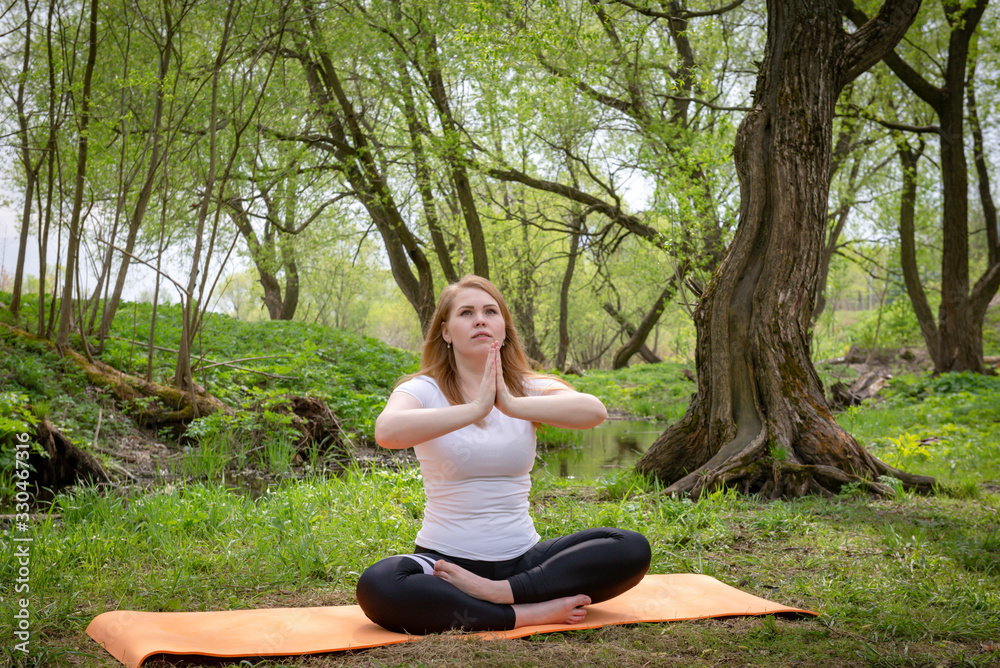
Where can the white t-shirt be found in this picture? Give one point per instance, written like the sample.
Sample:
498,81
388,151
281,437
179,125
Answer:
477,481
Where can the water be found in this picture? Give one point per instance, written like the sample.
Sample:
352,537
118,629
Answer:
615,444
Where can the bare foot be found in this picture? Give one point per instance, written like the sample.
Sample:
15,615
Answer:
566,610
494,591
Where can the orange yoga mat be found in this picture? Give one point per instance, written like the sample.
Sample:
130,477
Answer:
132,636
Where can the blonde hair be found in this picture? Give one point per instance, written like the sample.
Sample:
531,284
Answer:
437,360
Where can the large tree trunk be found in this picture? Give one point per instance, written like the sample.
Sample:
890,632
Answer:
759,421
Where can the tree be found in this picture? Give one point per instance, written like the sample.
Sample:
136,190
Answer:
75,225
955,340
759,421
161,27
30,169
636,66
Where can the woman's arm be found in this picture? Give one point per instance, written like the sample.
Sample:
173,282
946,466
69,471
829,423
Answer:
560,406
563,407
404,423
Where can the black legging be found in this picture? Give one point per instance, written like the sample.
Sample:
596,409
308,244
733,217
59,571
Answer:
400,594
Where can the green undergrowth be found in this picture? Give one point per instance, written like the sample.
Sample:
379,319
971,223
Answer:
247,365
912,581
946,426
655,391
266,361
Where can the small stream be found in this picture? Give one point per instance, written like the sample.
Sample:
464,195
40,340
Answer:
615,444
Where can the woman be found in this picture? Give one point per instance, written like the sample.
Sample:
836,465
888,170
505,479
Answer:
470,415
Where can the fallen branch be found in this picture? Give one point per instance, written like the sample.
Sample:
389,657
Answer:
865,386
241,359
128,388
214,364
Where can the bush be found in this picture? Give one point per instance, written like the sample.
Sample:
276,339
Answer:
15,419
899,327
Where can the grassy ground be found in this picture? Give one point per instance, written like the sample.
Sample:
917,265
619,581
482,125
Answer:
911,581
908,582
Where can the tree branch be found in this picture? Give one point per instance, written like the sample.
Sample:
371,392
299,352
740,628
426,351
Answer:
926,91
877,37
628,221
704,103
683,14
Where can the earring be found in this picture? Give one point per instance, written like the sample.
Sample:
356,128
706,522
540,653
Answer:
449,345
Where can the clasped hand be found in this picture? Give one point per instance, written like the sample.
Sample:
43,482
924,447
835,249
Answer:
493,390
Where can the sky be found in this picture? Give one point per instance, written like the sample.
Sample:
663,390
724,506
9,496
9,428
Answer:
9,232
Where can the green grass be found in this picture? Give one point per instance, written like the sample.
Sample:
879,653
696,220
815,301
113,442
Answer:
353,374
655,391
914,581
947,427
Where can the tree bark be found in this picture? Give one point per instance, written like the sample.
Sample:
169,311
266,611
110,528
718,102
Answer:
65,463
909,159
759,421
579,225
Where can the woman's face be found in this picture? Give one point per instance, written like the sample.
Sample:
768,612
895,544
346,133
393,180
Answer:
474,322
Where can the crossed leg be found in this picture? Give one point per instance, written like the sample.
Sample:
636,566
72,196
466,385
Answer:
428,593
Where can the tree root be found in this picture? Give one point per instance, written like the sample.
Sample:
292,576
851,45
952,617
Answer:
65,465
772,479
317,424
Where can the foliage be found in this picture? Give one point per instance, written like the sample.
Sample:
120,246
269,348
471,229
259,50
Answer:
657,391
268,360
946,426
47,386
913,389
254,436
16,419
898,327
